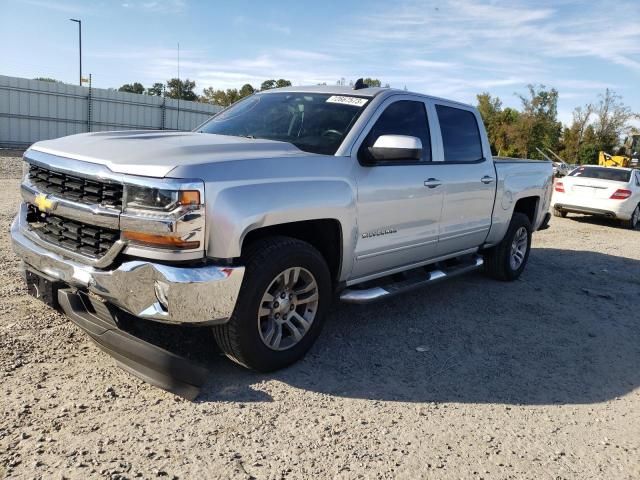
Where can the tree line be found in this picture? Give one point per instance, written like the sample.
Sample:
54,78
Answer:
185,90
534,128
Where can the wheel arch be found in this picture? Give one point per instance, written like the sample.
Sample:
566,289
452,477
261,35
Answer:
324,234
528,206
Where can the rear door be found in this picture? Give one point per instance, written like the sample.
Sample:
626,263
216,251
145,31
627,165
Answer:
469,179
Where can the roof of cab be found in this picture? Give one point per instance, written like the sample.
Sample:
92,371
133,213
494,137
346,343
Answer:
331,89
369,92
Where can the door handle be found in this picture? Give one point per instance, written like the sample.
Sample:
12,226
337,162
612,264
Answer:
432,183
487,179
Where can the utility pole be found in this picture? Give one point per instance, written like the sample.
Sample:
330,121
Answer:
79,22
179,91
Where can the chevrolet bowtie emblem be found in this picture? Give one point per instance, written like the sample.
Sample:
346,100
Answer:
44,204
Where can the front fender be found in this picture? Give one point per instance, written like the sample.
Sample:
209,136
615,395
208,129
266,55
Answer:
234,211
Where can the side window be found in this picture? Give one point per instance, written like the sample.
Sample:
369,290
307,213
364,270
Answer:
460,135
404,117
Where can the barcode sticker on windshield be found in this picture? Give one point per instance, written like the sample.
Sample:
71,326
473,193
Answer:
354,101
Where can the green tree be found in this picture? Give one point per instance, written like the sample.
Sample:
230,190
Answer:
224,98
589,148
156,89
269,84
135,87
372,82
282,83
246,90
182,89
573,136
538,125
596,127
501,125
611,120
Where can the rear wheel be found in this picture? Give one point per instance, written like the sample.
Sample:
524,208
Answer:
633,222
281,306
506,261
559,213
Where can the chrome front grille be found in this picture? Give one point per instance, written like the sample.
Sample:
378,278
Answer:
75,188
77,237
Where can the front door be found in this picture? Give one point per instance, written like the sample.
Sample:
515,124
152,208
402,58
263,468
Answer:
398,207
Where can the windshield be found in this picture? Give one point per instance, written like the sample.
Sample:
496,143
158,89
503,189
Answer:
313,122
602,173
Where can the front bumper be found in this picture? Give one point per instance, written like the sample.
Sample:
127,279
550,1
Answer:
204,295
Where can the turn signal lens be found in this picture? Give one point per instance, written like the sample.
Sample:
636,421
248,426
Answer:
189,197
559,187
160,241
621,194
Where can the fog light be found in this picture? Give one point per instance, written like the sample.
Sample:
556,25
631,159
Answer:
162,294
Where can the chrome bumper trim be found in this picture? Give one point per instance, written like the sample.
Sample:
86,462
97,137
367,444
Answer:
191,295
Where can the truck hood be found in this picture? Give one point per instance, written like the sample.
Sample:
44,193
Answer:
155,154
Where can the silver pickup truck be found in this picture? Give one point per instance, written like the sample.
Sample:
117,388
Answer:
256,221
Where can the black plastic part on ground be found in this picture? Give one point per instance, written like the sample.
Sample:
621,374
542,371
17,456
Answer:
149,362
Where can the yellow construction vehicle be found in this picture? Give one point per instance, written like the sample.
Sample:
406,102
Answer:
629,158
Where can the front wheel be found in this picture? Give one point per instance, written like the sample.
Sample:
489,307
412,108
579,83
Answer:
281,306
506,261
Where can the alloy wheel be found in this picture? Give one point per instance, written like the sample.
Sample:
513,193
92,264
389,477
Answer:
288,308
518,248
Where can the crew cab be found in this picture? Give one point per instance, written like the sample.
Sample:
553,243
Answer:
255,221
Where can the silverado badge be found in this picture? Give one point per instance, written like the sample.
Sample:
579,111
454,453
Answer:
44,204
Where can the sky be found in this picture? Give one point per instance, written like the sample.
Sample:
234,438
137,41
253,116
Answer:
448,48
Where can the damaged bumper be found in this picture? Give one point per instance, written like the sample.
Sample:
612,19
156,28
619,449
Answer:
202,295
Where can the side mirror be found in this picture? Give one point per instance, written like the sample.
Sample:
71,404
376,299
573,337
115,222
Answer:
396,147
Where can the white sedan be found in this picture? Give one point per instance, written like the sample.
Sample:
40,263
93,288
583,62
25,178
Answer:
603,191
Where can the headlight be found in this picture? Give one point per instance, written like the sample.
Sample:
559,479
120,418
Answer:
159,200
164,214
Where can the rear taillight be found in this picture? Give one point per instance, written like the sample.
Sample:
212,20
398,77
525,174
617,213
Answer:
621,194
559,187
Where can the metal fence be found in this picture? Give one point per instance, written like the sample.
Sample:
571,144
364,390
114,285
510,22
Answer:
32,110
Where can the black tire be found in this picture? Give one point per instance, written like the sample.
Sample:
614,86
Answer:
633,222
559,213
264,261
497,260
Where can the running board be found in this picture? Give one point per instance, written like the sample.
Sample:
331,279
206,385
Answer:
367,295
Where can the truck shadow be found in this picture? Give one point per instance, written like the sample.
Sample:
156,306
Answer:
565,333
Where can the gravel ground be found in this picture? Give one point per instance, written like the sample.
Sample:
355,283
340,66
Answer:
469,379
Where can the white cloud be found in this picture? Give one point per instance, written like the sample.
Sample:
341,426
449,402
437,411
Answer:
54,5
160,6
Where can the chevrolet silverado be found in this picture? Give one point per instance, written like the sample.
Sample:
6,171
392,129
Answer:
253,223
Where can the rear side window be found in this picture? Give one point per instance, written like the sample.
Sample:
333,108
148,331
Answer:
404,117
602,173
460,135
